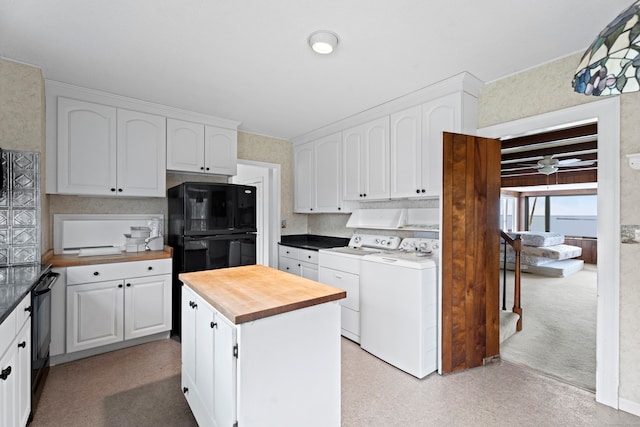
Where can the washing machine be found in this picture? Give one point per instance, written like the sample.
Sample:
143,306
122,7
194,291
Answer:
399,306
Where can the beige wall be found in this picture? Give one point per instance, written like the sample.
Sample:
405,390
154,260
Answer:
548,88
272,150
22,120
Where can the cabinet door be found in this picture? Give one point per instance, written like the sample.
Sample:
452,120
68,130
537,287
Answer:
9,386
147,306
376,160
327,165
205,359
353,153
438,116
225,370
220,151
23,362
366,161
94,315
308,270
185,146
86,148
405,153
141,154
188,335
303,181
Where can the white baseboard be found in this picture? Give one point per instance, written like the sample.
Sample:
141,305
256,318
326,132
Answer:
629,406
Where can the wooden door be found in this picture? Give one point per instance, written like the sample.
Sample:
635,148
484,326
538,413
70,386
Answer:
470,251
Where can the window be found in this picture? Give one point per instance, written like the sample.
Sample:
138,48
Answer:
574,216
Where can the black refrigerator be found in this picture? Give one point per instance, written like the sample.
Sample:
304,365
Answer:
210,226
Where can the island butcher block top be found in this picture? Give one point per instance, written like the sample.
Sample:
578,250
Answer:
244,294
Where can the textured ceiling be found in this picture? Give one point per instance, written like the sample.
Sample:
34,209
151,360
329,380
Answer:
248,60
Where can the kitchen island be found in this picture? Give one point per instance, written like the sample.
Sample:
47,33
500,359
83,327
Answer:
260,347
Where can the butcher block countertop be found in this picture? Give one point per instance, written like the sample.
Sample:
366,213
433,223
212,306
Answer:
73,260
244,294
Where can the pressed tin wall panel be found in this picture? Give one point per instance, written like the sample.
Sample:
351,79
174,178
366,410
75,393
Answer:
20,208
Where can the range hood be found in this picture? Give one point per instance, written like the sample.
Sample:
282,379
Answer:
418,219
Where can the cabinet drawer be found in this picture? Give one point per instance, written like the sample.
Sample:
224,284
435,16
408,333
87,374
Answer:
289,265
115,271
308,256
288,251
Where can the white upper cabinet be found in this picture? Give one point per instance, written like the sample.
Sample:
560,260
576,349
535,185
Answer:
220,151
194,147
416,143
108,151
86,147
318,175
304,182
141,154
328,173
406,147
366,161
101,144
185,146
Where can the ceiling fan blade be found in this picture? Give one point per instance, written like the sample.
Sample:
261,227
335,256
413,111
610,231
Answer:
578,163
566,162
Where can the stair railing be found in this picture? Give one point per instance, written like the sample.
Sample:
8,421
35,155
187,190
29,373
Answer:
516,244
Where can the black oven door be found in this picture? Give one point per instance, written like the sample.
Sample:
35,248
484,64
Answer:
40,334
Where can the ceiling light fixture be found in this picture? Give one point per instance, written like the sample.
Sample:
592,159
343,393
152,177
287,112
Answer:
611,65
323,42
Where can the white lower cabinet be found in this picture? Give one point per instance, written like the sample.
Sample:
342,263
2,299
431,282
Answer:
109,303
208,362
15,368
282,370
301,262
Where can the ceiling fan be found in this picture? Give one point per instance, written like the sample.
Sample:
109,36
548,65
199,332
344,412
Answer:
549,164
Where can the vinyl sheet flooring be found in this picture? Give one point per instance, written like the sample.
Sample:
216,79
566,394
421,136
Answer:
140,386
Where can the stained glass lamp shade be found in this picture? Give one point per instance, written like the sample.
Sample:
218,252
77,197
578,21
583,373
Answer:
611,65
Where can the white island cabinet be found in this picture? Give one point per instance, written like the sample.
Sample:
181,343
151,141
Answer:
260,347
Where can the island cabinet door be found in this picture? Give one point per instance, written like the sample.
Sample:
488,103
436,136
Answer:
225,368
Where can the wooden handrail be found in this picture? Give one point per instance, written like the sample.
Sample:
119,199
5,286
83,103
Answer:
516,244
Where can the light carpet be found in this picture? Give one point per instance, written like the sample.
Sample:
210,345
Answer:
558,337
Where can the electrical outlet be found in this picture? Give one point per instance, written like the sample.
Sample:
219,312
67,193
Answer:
283,223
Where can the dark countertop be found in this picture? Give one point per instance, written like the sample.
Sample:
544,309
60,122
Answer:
15,283
313,242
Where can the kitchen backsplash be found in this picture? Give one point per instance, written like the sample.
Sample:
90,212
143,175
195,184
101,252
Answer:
20,208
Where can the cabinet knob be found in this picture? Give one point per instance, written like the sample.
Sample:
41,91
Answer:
28,309
310,209
201,168
207,168
96,273
360,195
5,373
128,285
364,195
191,304
424,191
120,285
185,390
339,208
23,344
418,191
113,189
309,256
214,325
149,268
120,190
